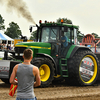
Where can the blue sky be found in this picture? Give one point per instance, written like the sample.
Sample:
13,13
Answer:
84,13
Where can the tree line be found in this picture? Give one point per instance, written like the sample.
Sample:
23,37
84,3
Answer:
14,31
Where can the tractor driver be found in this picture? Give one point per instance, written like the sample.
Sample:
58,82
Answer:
64,40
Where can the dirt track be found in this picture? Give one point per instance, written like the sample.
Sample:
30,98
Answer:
58,92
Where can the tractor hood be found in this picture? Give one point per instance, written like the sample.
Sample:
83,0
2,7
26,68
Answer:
37,45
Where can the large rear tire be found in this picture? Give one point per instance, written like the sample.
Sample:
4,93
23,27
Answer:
46,69
83,68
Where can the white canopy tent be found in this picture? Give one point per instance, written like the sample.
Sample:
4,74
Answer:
5,37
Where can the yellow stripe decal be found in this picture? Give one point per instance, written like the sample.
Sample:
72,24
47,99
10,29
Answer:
31,46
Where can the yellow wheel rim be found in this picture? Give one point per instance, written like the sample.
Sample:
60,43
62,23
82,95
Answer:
88,70
44,72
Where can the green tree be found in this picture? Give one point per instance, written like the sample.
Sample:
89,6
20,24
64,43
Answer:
33,35
68,21
2,26
13,30
96,35
80,36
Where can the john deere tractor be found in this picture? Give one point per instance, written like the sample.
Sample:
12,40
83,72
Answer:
73,62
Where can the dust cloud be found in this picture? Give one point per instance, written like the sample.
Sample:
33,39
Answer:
20,7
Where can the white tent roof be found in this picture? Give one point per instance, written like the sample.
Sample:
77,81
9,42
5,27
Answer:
5,37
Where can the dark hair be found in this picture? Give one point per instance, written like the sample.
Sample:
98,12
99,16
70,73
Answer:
28,53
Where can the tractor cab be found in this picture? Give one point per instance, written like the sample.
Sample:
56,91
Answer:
60,35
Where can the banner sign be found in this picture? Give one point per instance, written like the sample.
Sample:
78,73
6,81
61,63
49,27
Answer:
4,68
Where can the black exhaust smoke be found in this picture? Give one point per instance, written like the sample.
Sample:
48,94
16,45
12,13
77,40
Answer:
20,7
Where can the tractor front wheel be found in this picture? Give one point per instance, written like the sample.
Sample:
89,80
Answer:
46,69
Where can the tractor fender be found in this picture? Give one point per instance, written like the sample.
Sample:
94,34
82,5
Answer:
48,56
77,48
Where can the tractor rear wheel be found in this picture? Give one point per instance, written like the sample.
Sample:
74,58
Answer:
46,69
83,67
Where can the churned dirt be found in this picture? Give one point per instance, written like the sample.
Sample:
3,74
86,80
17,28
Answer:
58,91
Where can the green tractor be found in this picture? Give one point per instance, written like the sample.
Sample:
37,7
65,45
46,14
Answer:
73,63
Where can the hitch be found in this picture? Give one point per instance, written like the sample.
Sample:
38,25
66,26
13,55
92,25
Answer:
5,55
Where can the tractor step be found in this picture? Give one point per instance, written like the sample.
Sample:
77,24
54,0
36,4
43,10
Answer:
63,67
64,64
64,70
65,75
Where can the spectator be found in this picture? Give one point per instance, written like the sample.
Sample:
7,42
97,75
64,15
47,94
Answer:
7,47
10,47
3,46
0,46
26,73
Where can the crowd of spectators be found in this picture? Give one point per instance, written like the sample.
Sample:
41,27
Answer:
6,47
